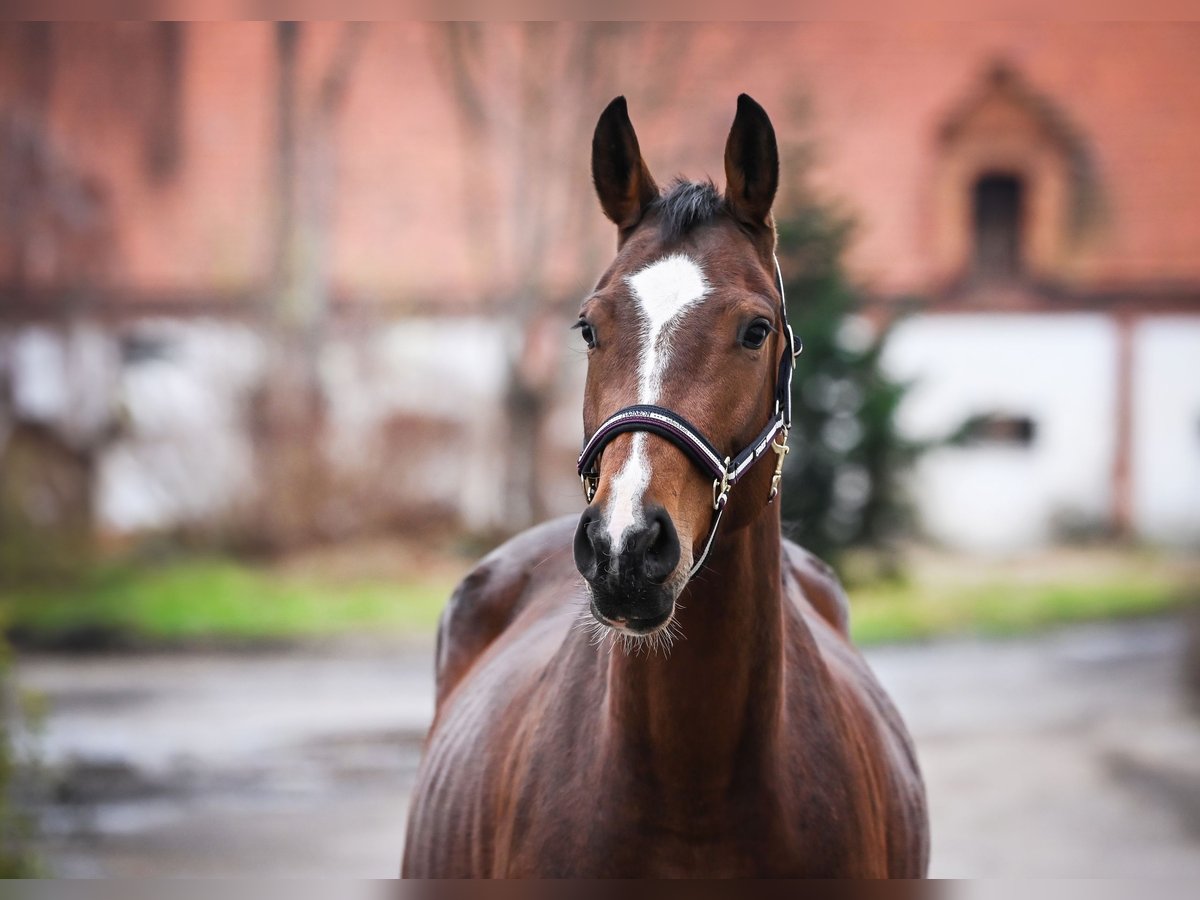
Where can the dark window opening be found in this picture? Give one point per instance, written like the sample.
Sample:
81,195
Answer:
141,348
997,203
995,428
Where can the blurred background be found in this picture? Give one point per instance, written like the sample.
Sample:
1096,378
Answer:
284,347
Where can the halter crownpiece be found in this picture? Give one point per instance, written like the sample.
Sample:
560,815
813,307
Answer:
725,471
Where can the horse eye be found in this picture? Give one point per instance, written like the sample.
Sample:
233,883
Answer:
756,334
585,330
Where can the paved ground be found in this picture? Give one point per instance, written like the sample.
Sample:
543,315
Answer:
1067,754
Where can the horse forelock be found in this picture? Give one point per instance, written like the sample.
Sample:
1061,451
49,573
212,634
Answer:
686,206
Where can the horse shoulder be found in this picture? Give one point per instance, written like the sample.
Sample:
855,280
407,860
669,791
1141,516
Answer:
818,584
493,594
891,775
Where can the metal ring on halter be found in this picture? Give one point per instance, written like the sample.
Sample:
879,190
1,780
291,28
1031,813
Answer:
721,488
591,483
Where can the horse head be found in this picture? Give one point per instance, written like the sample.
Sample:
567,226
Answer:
688,345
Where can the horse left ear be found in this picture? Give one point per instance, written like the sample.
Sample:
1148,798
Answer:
622,178
751,165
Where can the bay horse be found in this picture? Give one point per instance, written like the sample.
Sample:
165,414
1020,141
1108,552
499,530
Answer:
759,744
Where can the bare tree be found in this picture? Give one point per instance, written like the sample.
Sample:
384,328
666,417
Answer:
526,97
290,413
57,245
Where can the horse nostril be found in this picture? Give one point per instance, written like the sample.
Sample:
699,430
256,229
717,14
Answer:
587,557
662,546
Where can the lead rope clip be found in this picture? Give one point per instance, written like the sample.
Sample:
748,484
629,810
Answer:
781,450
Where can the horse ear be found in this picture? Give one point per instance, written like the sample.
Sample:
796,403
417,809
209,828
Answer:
623,182
751,165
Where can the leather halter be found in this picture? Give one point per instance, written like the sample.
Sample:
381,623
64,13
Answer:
725,471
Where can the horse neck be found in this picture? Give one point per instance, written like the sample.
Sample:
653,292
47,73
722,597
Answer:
699,716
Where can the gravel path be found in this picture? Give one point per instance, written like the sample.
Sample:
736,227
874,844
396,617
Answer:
1068,754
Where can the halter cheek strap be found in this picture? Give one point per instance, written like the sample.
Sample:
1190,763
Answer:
725,471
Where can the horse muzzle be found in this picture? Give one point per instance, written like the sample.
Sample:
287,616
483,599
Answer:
630,583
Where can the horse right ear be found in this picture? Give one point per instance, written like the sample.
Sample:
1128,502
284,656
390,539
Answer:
751,165
623,182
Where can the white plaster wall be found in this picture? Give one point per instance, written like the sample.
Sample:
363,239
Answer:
1059,370
447,369
185,454
189,456
1166,430
62,377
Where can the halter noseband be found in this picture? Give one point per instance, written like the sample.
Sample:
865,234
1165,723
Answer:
725,471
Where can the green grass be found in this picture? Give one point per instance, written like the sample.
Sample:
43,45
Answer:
214,600
897,611
197,601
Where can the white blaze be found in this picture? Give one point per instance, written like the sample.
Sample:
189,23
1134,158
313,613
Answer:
665,291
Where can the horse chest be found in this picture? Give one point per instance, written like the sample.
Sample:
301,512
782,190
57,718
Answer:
607,818
614,840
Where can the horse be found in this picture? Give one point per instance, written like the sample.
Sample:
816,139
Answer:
664,686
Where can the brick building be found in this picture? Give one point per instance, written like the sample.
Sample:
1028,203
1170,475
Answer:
1028,192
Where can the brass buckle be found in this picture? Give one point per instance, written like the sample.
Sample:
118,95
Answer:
721,487
781,449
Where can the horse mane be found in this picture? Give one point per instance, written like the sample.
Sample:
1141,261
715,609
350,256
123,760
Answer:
685,206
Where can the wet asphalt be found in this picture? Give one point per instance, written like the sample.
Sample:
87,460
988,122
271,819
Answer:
1073,753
